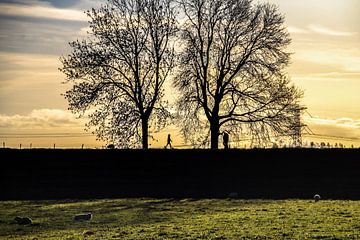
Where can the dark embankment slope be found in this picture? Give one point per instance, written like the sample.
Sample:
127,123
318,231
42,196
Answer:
262,173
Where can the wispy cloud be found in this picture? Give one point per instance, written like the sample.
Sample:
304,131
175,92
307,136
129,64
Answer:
339,122
338,129
39,119
342,59
30,81
41,11
27,70
44,128
319,29
297,30
328,31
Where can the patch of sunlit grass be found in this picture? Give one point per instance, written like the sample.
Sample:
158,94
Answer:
183,219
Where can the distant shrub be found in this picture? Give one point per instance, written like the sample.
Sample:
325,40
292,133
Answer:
111,146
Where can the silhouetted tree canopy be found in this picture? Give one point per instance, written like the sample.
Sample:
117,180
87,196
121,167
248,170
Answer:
118,71
231,76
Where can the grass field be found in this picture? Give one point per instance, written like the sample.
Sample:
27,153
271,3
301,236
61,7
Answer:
183,219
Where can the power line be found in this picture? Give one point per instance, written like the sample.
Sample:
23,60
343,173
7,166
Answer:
308,113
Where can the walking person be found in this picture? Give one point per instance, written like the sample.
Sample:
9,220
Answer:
226,140
168,142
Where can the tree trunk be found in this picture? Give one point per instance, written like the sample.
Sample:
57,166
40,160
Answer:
214,129
145,133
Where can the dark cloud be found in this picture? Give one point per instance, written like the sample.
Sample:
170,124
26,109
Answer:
78,4
62,3
55,3
33,35
22,2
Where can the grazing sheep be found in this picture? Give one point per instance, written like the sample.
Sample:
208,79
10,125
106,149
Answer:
83,217
23,220
317,197
88,233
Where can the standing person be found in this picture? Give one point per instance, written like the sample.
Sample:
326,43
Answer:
226,140
168,141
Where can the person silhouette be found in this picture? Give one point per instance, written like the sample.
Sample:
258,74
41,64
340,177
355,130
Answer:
226,140
168,141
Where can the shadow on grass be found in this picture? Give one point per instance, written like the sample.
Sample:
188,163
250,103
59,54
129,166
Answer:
182,219
50,216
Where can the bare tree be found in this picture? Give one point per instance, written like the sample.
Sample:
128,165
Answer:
231,75
119,71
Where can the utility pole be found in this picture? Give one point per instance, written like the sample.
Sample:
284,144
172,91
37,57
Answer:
297,137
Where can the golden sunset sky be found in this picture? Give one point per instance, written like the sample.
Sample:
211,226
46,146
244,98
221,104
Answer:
34,34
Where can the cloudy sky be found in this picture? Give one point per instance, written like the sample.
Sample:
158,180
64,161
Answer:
34,34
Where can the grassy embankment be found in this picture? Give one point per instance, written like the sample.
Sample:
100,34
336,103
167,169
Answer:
183,219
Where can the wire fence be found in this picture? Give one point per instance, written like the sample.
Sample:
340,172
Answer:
55,137
17,141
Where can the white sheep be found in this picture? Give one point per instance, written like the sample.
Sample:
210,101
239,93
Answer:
317,197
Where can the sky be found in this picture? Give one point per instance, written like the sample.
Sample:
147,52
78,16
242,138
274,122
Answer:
34,34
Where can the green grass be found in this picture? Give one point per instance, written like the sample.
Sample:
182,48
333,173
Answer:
183,219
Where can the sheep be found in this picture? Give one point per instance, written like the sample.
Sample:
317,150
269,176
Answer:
88,233
83,217
317,197
23,220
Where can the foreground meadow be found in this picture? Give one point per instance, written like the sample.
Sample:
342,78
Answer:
182,219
